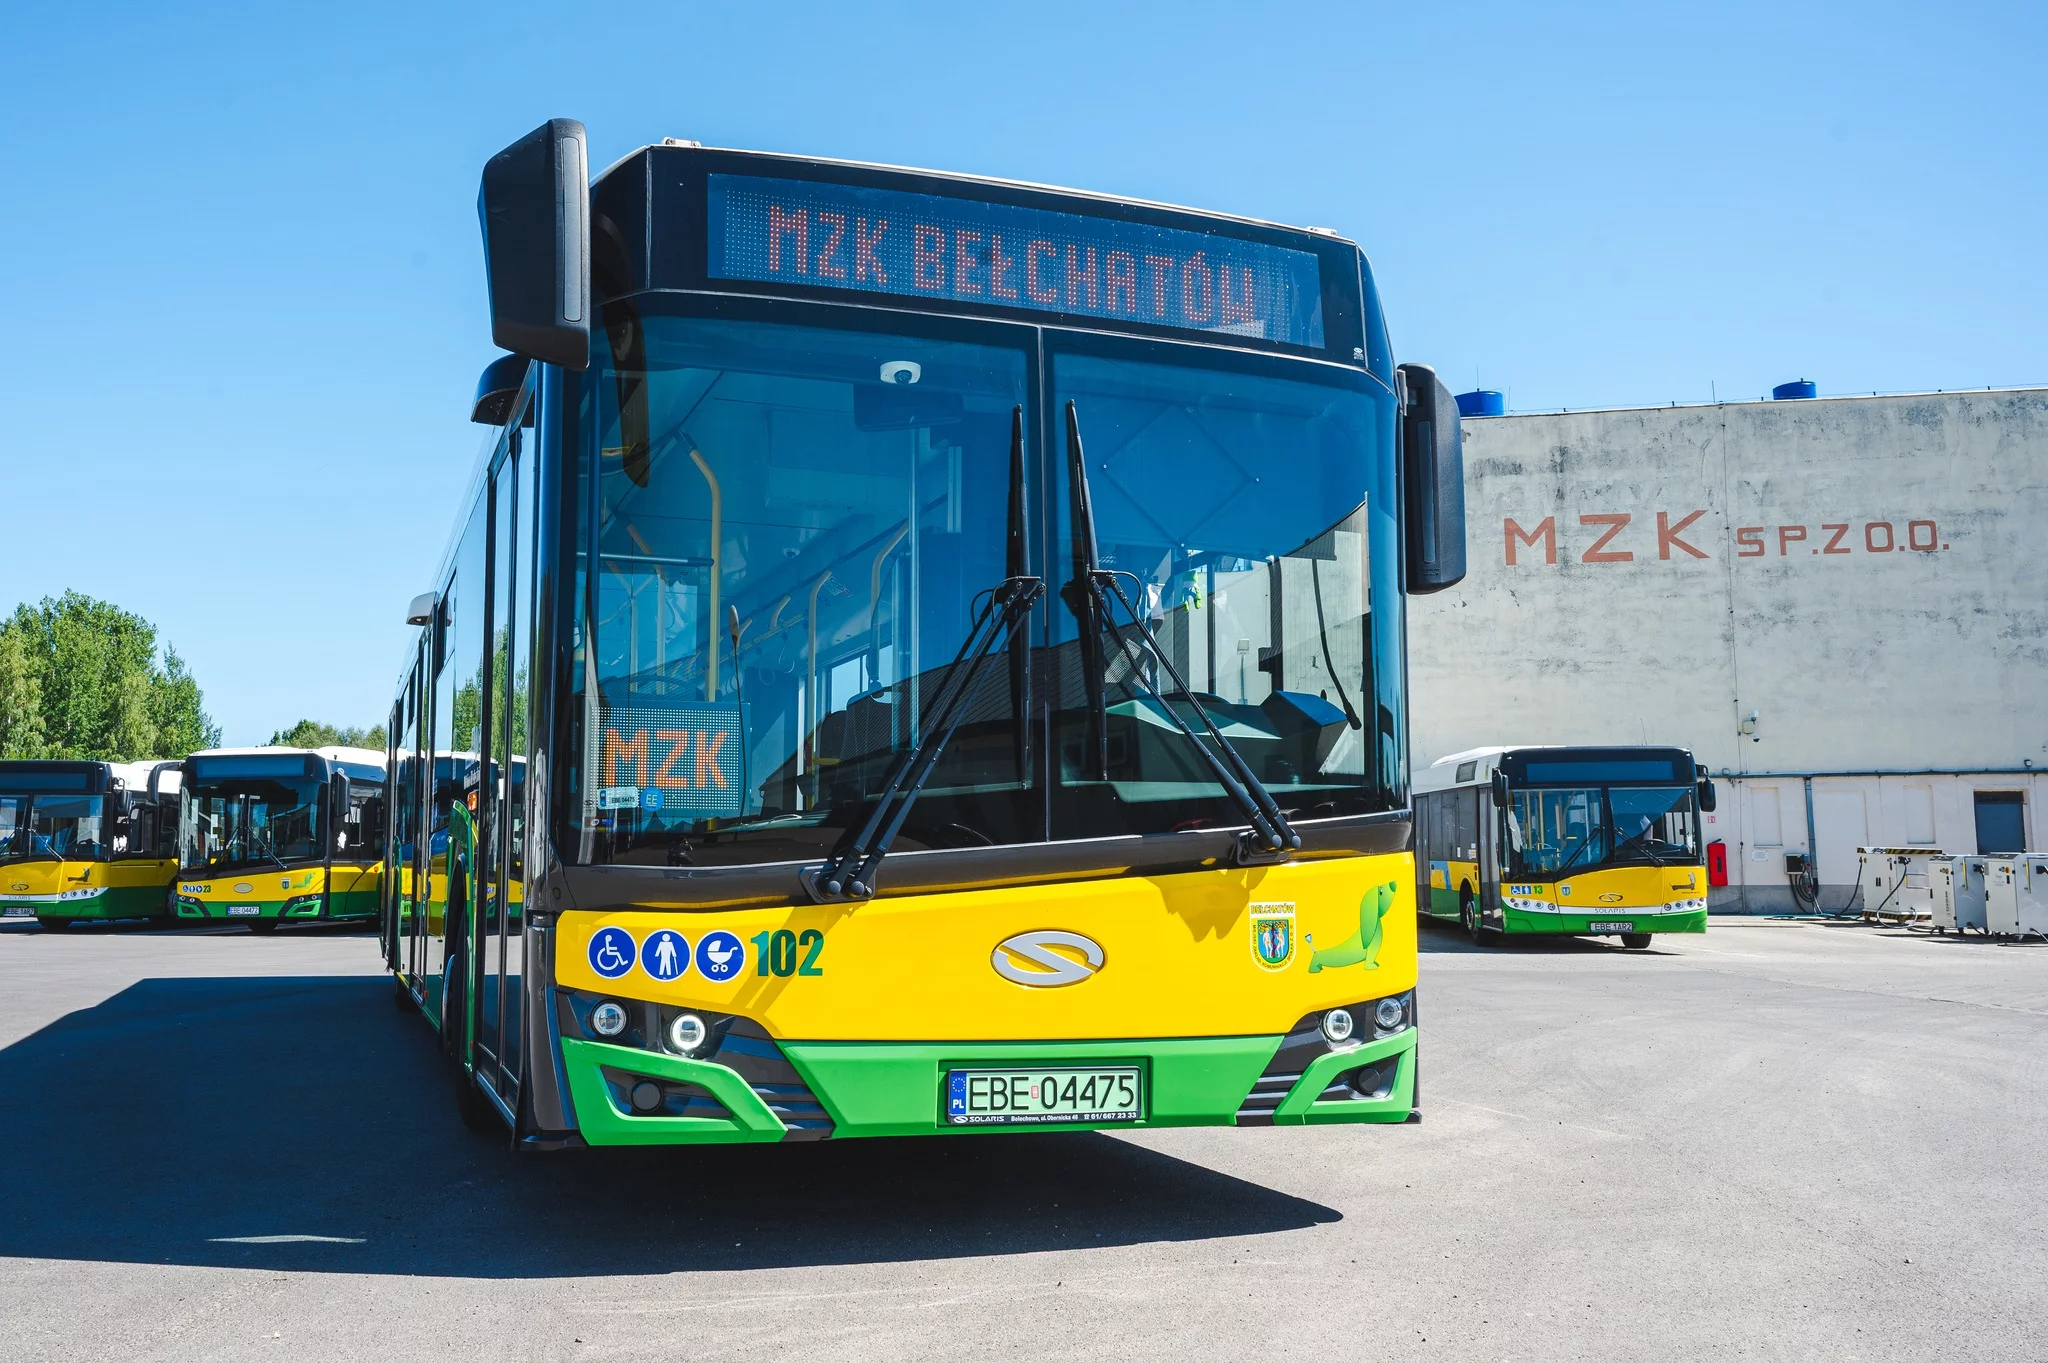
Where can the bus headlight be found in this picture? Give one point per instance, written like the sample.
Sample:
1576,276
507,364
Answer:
73,896
687,1033
1389,1014
1338,1026
608,1018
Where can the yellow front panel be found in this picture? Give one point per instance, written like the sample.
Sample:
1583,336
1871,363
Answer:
42,877
1621,887
1178,954
250,886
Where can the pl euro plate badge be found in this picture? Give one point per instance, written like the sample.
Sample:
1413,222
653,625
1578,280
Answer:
1108,1093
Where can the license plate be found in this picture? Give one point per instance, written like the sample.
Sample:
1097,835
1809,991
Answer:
1611,925
17,911
1028,1097
243,910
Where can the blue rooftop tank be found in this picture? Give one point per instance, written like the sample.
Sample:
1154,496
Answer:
1484,402
1798,388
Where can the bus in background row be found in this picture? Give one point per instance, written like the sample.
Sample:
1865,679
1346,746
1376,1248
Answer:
86,841
805,739
277,835
1565,841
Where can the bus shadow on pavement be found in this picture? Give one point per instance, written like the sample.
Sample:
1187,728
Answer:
306,1124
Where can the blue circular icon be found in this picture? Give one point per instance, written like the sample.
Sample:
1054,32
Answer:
650,797
611,952
665,954
720,956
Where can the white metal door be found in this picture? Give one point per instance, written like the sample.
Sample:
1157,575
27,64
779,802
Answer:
1841,824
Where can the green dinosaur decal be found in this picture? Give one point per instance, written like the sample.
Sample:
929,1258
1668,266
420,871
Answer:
1363,945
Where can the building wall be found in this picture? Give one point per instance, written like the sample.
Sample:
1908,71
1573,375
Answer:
1864,575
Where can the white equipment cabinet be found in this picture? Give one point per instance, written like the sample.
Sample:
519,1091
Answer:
1896,886
2030,893
2001,896
1958,893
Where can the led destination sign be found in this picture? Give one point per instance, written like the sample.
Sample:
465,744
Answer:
968,251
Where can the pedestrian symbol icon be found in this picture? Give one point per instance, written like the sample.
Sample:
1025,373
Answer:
611,952
665,954
720,956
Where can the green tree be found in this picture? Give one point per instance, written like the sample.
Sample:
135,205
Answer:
182,724
79,679
311,733
21,697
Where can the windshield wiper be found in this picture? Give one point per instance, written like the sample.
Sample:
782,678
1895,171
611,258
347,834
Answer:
1088,594
850,874
1642,847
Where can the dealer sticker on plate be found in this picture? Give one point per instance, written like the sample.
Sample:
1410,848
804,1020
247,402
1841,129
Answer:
1611,925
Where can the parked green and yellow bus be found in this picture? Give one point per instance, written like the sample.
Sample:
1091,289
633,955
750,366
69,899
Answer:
1571,841
277,835
805,739
84,841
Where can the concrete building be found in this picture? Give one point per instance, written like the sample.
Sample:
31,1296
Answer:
1840,605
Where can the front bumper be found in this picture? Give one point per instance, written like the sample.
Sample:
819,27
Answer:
111,903
896,1088
1581,924
299,907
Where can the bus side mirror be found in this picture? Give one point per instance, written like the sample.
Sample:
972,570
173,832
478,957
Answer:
1707,798
535,209
337,800
1500,790
1433,477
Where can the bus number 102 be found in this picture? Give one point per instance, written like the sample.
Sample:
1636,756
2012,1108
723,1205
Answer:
775,953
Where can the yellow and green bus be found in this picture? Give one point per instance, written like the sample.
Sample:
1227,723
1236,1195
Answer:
86,841
1571,841
281,835
805,738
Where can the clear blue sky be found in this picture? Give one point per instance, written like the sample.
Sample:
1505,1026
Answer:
241,290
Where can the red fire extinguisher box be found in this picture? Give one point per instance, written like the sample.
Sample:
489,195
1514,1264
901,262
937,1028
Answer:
1717,863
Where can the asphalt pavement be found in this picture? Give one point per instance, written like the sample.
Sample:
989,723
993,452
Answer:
1781,1140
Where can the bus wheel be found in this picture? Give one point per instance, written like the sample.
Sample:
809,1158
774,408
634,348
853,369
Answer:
263,925
1468,915
53,924
1635,941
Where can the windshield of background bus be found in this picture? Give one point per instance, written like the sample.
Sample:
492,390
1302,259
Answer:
248,820
1554,829
62,826
855,525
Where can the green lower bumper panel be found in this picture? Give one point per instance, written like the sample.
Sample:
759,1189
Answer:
118,902
604,1120
1582,924
898,1088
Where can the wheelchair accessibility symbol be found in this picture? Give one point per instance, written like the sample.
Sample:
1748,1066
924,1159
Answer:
612,951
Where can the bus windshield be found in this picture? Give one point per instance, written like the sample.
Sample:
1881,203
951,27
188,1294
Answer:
234,821
1237,497
1558,830
841,497
60,827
